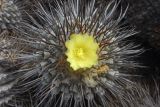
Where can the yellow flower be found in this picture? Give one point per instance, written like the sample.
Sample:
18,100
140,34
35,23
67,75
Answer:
81,51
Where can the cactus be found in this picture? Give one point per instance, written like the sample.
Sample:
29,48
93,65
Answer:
49,74
68,53
10,14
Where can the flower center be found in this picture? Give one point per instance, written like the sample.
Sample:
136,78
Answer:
79,52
